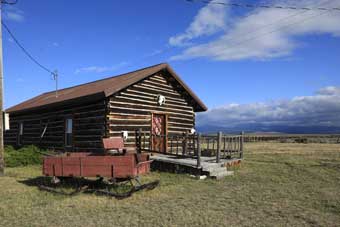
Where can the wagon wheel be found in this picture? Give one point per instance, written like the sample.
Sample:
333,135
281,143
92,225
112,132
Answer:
123,195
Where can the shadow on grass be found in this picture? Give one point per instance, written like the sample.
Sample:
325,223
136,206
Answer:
70,186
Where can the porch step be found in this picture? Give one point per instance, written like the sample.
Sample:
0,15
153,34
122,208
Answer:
220,173
217,171
209,167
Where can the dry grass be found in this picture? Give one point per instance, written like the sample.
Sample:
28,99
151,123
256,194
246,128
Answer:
277,185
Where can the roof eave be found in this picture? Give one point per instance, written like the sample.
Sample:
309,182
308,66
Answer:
78,101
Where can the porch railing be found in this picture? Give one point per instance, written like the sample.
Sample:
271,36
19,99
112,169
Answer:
218,146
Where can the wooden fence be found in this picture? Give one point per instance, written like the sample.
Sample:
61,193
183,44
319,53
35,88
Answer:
195,146
293,138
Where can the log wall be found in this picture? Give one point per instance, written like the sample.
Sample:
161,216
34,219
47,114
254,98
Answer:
132,108
88,127
128,110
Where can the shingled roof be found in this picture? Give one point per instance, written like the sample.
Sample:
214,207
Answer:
105,87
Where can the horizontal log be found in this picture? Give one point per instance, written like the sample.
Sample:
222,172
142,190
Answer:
176,123
170,128
159,88
151,97
56,113
151,107
116,109
128,121
157,83
130,132
159,78
173,118
129,128
155,94
148,102
124,116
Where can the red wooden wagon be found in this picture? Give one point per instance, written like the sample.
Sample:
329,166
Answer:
90,165
115,165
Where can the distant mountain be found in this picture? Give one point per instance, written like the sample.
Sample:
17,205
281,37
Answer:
271,129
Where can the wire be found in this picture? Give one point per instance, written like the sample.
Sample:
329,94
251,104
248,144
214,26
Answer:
272,31
26,52
9,3
256,31
240,5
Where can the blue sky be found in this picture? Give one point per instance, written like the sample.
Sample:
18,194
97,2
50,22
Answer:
227,55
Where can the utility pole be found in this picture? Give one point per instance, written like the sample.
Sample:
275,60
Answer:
2,152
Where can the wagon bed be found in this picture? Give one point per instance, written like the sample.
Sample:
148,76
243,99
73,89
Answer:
93,165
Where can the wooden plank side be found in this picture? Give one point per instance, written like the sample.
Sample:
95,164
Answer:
88,127
133,107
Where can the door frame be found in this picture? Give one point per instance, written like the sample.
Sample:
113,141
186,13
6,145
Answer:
166,117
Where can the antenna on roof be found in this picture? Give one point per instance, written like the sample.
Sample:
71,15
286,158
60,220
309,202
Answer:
55,77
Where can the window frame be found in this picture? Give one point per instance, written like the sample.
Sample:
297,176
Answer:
66,133
20,134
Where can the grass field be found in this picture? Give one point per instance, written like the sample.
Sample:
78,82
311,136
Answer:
278,184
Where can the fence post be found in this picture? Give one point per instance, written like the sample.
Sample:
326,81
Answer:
136,140
198,150
151,142
241,144
219,143
185,144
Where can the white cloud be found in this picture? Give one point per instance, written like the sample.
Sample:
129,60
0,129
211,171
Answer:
55,44
319,110
209,20
100,69
14,14
266,33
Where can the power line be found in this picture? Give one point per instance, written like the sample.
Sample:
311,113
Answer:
265,6
273,31
9,3
26,52
256,31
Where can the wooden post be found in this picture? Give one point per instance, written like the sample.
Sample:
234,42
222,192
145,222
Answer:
136,140
199,150
185,143
241,145
139,150
2,150
219,143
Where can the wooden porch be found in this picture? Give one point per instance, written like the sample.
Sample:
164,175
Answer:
197,154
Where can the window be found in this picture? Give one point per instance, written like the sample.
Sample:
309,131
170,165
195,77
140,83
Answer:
20,132
68,132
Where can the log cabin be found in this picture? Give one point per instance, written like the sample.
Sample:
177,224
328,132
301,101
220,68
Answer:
154,99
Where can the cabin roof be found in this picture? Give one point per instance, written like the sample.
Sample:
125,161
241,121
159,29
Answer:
104,88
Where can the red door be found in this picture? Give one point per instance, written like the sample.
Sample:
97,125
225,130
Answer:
159,133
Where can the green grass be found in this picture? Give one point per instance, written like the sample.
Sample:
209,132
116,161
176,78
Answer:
277,185
28,155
